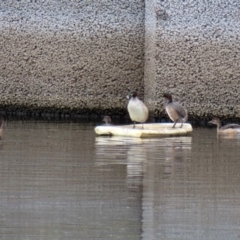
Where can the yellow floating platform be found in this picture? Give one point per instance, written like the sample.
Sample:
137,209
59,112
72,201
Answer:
150,130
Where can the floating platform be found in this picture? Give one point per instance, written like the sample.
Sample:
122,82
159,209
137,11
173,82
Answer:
150,130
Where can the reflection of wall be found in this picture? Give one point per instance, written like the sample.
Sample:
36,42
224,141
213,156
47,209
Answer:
161,169
117,162
50,186
200,197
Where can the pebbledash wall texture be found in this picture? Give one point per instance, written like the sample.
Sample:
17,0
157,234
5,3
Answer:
193,51
85,56
70,55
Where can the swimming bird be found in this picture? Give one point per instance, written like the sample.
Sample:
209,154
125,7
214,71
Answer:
137,110
175,111
107,120
229,128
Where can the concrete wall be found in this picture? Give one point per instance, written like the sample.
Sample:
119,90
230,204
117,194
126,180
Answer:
193,51
81,55
84,56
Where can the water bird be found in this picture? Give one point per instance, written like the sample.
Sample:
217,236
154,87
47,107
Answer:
229,128
175,111
137,110
107,120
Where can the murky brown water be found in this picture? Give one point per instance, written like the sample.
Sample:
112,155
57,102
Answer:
60,181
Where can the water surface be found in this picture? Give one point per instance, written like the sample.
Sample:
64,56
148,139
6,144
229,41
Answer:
58,180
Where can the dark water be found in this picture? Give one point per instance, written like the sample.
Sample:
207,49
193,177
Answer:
59,181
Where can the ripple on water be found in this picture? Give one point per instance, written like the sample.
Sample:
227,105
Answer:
58,180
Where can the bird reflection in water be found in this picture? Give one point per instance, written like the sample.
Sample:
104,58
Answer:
136,154
175,151
119,150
